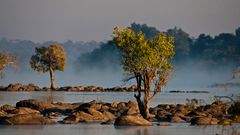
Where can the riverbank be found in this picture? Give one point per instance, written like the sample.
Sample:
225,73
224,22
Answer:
32,87
37,112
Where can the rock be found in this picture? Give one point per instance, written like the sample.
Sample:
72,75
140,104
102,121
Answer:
114,104
78,117
177,119
121,106
218,109
225,122
22,87
96,115
7,108
132,108
35,104
96,106
204,121
27,119
91,115
24,110
108,116
163,124
132,120
2,113
90,88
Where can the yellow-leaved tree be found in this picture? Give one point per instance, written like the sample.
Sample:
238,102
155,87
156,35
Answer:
149,61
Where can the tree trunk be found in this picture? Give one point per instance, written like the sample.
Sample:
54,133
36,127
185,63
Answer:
143,105
146,103
52,77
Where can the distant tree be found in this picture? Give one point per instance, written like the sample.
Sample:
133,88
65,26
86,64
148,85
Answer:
50,59
182,42
146,60
5,60
148,31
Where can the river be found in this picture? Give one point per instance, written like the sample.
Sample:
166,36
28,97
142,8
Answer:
95,129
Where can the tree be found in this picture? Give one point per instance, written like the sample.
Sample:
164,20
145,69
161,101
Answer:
182,42
5,60
146,60
50,59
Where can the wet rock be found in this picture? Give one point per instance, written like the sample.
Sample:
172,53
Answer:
204,121
78,117
218,109
163,124
7,108
91,115
34,104
132,120
163,115
27,119
177,119
22,87
24,110
225,122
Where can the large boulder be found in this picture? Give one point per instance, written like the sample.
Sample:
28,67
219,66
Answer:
78,117
132,120
34,104
26,119
91,115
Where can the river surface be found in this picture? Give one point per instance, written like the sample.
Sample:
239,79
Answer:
97,129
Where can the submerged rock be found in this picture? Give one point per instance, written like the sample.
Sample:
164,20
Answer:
132,120
204,121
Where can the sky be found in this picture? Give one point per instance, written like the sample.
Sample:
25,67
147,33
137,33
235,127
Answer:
86,20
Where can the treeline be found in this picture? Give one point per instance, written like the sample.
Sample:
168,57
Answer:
24,49
222,49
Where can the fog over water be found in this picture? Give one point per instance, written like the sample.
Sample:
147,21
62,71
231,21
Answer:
188,75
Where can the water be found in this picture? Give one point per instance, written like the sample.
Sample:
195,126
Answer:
95,128
162,98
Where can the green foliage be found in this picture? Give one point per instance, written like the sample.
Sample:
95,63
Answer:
149,58
53,57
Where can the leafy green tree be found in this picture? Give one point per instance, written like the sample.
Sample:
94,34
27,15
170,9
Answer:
50,59
5,60
146,60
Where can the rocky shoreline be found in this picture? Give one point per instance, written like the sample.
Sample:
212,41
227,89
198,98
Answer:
33,87
36,112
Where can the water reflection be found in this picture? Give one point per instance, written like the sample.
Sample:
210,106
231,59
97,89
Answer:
71,97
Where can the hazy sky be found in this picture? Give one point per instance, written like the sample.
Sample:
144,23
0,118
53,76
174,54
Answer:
60,20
